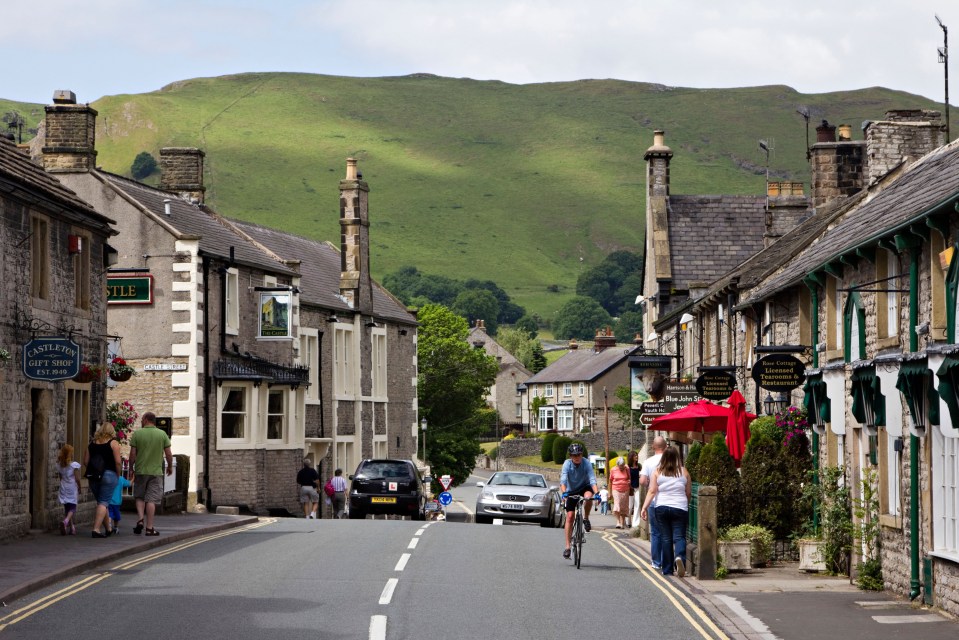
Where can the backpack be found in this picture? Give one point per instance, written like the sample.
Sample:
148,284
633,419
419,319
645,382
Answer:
95,467
328,488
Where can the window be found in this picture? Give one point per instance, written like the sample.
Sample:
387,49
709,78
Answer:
343,361
582,389
945,494
834,319
81,274
546,415
889,487
39,258
854,328
564,419
344,457
378,370
276,415
234,407
549,389
952,300
310,357
519,410
887,302
232,294
567,389
78,418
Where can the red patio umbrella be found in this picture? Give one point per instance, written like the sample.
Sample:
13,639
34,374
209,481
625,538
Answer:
702,416
737,429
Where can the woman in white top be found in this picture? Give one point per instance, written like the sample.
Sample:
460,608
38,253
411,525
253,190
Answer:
671,487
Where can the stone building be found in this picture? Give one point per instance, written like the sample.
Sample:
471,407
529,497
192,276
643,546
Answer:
54,251
864,293
225,333
506,394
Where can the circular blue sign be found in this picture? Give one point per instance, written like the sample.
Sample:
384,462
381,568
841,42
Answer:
446,498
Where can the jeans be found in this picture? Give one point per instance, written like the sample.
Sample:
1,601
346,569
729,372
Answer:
655,538
673,523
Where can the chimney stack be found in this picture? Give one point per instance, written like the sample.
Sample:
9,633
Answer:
838,168
181,172
69,135
657,170
904,133
355,282
604,340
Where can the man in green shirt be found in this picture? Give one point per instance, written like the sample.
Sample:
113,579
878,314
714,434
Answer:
148,447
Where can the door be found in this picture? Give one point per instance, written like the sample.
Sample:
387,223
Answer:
41,401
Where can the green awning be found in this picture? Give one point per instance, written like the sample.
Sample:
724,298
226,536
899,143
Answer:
915,383
816,397
949,387
866,389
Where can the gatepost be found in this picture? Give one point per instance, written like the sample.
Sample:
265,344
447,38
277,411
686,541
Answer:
704,566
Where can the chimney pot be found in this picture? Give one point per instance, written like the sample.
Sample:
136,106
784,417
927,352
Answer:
845,132
825,132
64,96
351,169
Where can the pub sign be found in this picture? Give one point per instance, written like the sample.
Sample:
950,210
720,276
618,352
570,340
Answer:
135,289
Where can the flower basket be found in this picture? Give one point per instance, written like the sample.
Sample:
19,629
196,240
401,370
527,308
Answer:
88,373
120,371
120,376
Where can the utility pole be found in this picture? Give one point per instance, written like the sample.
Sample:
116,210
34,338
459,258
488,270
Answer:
944,60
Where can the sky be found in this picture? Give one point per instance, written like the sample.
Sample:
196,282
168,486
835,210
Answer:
109,47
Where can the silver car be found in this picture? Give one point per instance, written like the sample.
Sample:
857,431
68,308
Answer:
516,495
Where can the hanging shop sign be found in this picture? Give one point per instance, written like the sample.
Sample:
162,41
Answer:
676,395
51,359
137,289
648,376
275,315
779,372
715,385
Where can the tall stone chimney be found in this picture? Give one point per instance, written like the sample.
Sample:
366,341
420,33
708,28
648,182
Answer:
837,167
69,135
181,171
904,133
657,166
355,283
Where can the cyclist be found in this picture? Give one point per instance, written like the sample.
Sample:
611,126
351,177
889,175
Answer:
577,479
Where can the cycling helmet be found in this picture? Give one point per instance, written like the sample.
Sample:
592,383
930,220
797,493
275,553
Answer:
575,449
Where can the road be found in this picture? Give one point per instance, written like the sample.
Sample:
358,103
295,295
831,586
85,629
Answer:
377,579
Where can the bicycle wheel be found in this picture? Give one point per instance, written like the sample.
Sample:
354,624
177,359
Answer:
578,539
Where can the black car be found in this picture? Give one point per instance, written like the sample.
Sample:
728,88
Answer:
387,487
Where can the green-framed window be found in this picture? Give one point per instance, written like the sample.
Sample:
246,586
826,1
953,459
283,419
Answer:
854,328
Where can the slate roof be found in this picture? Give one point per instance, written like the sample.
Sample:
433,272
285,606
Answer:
320,270
929,183
29,181
581,365
709,235
216,237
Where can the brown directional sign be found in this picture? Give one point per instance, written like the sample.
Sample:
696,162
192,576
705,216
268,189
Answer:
715,385
779,372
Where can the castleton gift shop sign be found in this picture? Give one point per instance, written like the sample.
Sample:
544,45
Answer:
51,359
779,372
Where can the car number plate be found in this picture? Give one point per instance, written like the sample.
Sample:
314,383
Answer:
383,500
506,506
432,506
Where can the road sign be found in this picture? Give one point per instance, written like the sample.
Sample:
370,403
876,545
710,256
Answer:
647,418
446,498
446,481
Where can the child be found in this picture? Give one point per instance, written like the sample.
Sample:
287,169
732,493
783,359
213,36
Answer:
69,495
114,507
604,500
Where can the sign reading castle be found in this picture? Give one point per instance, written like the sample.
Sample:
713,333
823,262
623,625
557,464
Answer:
137,289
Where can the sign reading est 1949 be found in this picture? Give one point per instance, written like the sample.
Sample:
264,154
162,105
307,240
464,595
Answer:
137,289
779,372
51,359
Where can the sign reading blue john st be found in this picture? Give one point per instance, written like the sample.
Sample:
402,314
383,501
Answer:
779,372
51,359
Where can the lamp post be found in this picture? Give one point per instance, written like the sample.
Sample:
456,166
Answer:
423,429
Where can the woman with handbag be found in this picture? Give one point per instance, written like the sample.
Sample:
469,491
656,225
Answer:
102,462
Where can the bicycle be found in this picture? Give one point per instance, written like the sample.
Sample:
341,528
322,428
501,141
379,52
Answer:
578,535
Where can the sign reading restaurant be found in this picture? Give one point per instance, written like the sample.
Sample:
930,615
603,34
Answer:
779,372
127,289
51,359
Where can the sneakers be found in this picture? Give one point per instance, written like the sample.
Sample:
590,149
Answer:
680,567
310,517
587,525
566,553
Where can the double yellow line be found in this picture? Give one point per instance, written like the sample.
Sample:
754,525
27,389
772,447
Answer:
696,617
84,583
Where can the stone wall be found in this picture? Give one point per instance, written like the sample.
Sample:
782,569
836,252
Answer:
619,441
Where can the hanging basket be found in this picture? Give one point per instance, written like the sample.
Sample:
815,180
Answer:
84,377
123,376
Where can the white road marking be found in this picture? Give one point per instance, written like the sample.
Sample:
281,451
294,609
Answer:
929,617
413,543
750,619
387,594
378,628
402,563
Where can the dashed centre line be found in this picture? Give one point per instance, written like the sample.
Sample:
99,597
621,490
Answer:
413,542
402,563
387,594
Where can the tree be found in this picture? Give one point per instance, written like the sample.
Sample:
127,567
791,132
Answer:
580,318
716,467
528,324
623,409
478,304
452,385
518,343
143,165
629,324
538,361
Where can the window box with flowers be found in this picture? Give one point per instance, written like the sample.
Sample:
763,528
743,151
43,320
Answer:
4,359
120,371
89,373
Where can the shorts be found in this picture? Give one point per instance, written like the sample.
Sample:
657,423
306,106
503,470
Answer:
103,488
148,488
114,512
308,494
68,508
571,504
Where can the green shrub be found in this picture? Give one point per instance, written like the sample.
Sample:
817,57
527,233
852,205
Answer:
546,450
143,165
692,459
766,425
493,453
716,467
560,445
768,500
760,537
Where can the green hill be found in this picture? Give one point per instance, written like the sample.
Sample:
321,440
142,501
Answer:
525,185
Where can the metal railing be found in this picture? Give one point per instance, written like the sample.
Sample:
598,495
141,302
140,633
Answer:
169,481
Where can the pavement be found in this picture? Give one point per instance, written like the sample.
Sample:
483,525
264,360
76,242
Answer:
776,602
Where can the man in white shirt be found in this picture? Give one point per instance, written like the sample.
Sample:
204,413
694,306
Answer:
649,466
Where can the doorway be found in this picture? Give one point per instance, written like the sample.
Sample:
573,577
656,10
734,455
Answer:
41,401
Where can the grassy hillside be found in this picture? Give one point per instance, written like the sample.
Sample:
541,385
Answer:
526,185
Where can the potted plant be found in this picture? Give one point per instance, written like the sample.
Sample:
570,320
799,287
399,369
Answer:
4,358
123,417
826,547
89,373
120,371
734,555
759,539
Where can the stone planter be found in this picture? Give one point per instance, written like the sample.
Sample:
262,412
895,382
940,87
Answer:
809,556
736,555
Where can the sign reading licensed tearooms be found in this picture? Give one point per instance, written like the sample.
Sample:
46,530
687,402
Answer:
779,372
51,359
135,289
715,385
275,315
